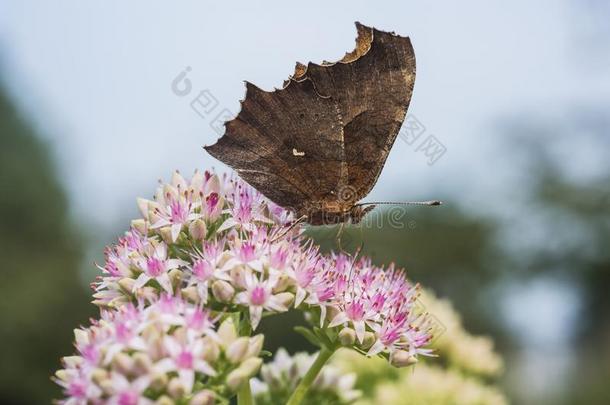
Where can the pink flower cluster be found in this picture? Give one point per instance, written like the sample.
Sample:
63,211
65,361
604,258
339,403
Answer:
216,239
169,350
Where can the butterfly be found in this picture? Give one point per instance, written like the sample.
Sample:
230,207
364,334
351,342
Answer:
318,144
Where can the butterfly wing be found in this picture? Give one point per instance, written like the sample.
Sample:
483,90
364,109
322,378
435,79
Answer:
372,87
286,143
325,136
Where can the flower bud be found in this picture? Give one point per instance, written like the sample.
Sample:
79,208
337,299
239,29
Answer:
255,346
123,363
126,284
62,375
190,293
166,234
227,332
251,366
204,397
140,225
286,299
402,358
196,182
347,336
81,337
107,386
283,283
143,206
118,302
158,381
100,301
180,334
236,378
142,363
153,216
176,388
99,375
72,361
237,350
331,313
147,293
212,185
175,277
164,400
368,341
223,291
211,351
198,229
170,191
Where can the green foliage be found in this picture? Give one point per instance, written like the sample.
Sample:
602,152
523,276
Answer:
42,299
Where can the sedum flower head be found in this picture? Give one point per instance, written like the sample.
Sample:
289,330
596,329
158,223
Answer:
140,353
217,242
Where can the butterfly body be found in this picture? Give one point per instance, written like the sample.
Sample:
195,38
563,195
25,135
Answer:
333,213
318,144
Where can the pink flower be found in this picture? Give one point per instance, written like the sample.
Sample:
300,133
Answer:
175,211
126,392
357,314
304,271
212,206
185,358
155,265
203,273
258,295
247,208
128,356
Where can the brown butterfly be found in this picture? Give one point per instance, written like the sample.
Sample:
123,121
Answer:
318,144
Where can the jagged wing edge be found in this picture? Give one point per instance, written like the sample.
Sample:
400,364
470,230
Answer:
362,31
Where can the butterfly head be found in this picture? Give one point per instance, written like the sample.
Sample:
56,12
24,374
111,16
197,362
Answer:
358,212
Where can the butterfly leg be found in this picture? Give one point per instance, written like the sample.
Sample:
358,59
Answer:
354,260
338,236
290,228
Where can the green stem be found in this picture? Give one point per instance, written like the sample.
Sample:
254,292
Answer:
244,395
299,393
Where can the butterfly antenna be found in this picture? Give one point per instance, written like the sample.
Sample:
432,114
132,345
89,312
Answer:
430,203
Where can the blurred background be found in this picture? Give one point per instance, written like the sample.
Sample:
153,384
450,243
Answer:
100,99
